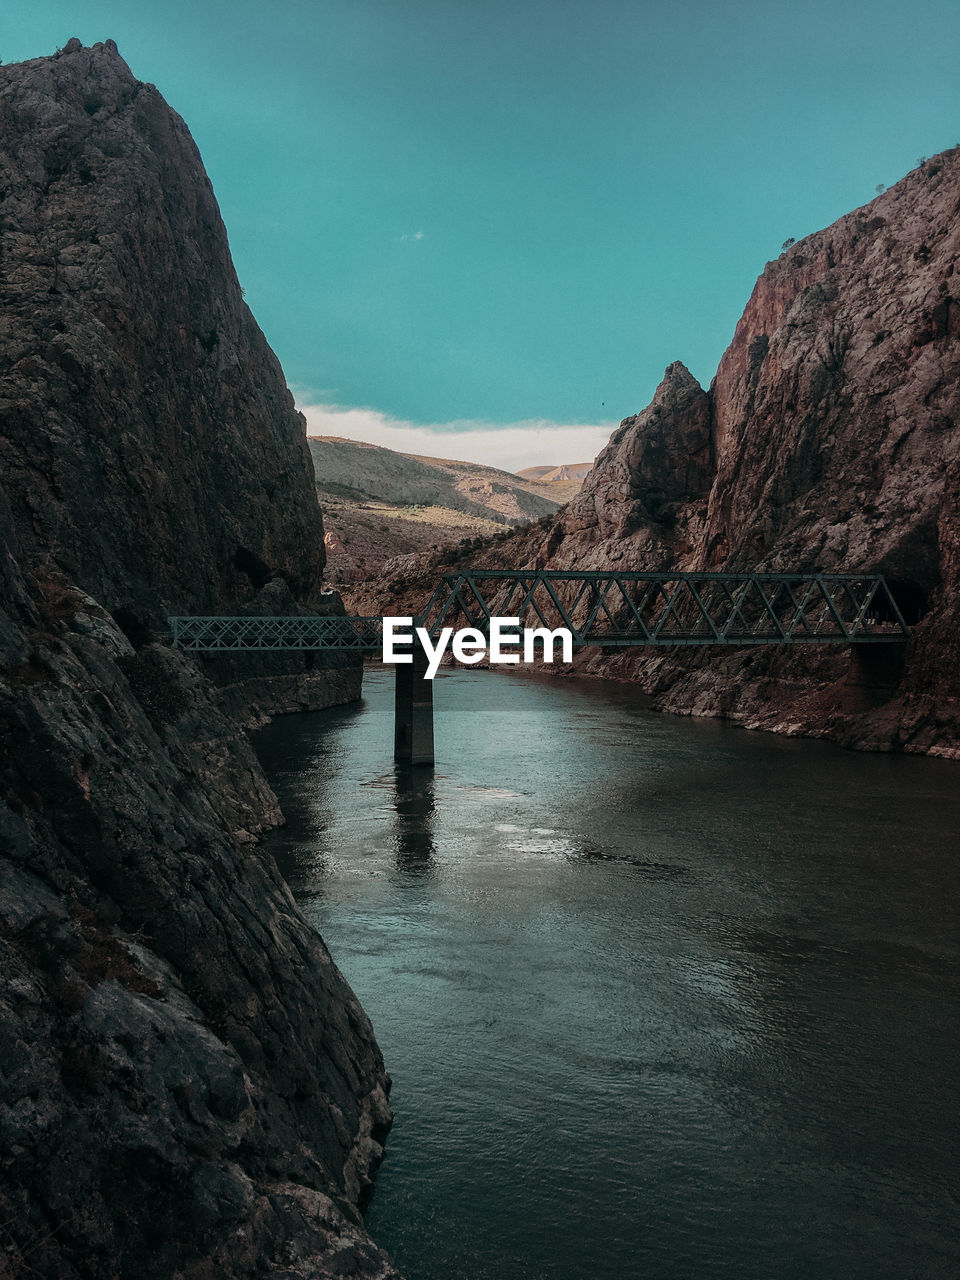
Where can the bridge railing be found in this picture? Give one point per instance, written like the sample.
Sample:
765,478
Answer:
243,634
670,608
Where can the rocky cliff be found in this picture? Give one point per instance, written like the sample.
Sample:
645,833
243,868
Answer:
116,274
829,439
188,1087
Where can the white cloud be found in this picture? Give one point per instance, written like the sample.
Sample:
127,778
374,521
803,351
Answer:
511,446
413,235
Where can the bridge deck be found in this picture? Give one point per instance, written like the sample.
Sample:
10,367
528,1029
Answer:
610,609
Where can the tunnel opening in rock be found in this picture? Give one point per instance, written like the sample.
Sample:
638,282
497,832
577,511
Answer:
912,599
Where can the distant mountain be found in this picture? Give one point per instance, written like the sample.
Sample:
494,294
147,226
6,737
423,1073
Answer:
551,475
407,478
378,503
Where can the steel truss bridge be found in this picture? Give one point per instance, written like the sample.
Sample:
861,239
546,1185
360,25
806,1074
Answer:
600,608
607,608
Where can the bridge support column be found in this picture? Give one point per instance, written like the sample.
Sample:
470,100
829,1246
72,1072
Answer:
413,722
872,676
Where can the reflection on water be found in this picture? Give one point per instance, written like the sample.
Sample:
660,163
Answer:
660,998
414,804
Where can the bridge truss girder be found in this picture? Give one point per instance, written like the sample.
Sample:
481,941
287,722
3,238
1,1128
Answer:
617,609
275,634
610,609
599,608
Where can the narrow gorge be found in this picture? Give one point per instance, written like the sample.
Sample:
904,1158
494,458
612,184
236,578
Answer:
617,961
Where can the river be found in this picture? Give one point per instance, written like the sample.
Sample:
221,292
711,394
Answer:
661,998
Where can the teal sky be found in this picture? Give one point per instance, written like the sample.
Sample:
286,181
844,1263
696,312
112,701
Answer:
495,212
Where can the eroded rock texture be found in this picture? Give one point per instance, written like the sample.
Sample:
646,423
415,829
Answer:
828,440
116,276
188,1087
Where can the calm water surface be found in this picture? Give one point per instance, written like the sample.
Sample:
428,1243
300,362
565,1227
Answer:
661,998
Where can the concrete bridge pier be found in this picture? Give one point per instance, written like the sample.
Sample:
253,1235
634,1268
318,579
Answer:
413,717
872,676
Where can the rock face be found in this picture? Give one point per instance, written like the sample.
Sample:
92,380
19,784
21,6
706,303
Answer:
188,1087
828,440
655,461
836,404
117,274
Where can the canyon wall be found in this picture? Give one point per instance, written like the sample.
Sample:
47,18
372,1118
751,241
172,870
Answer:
187,1084
139,394
828,440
